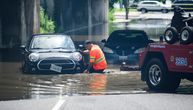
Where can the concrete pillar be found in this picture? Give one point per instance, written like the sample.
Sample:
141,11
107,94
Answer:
89,19
23,23
36,17
32,8
0,33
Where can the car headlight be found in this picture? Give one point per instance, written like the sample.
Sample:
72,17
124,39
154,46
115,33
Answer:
140,50
107,50
76,56
33,57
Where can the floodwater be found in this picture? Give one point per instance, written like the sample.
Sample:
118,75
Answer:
14,85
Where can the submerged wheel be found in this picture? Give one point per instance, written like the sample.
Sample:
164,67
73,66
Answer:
158,78
25,68
186,35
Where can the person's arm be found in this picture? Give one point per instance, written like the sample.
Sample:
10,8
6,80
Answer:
91,62
88,68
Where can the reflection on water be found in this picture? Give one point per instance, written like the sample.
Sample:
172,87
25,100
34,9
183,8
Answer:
153,27
98,84
15,85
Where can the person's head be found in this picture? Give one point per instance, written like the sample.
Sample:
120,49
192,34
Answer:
88,44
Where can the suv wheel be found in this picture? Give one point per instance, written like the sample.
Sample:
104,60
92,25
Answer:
171,35
164,11
143,10
186,35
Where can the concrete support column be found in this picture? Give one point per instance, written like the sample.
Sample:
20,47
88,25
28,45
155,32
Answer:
89,20
36,23
0,33
23,23
106,17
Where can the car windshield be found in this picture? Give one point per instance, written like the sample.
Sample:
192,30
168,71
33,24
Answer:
52,42
127,38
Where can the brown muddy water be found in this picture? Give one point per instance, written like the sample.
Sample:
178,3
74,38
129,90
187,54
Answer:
14,85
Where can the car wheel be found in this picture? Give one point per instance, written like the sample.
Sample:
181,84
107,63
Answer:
164,11
25,68
186,35
171,35
143,10
158,78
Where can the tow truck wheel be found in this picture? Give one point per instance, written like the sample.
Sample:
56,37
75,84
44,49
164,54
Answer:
186,35
158,78
171,35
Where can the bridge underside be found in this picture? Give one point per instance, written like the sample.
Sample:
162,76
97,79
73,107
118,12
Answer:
19,19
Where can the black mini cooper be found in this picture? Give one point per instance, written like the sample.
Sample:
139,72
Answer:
51,54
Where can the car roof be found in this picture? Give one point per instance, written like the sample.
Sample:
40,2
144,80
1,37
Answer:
183,1
125,31
149,1
52,34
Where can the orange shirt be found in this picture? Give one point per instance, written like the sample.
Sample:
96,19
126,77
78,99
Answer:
97,58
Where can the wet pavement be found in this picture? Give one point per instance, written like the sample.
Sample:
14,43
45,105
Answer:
15,85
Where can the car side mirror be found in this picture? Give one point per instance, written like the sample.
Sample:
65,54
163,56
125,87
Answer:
104,41
22,48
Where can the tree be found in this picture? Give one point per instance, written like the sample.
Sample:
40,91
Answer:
126,6
46,24
111,3
125,3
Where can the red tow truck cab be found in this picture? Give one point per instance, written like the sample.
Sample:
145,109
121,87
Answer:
164,65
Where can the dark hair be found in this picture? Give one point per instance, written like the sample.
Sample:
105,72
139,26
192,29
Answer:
87,42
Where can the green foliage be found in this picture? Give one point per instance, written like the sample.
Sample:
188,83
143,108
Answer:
111,3
111,15
46,24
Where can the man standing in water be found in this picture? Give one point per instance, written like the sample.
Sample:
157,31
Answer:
97,63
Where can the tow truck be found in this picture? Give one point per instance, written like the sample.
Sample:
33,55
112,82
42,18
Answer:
163,65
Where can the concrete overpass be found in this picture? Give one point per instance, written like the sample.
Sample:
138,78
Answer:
20,18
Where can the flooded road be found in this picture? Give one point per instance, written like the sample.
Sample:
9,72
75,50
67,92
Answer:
14,85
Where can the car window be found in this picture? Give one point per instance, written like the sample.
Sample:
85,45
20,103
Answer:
127,38
52,42
149,3
182,2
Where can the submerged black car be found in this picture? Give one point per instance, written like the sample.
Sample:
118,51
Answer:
124,46
50,54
